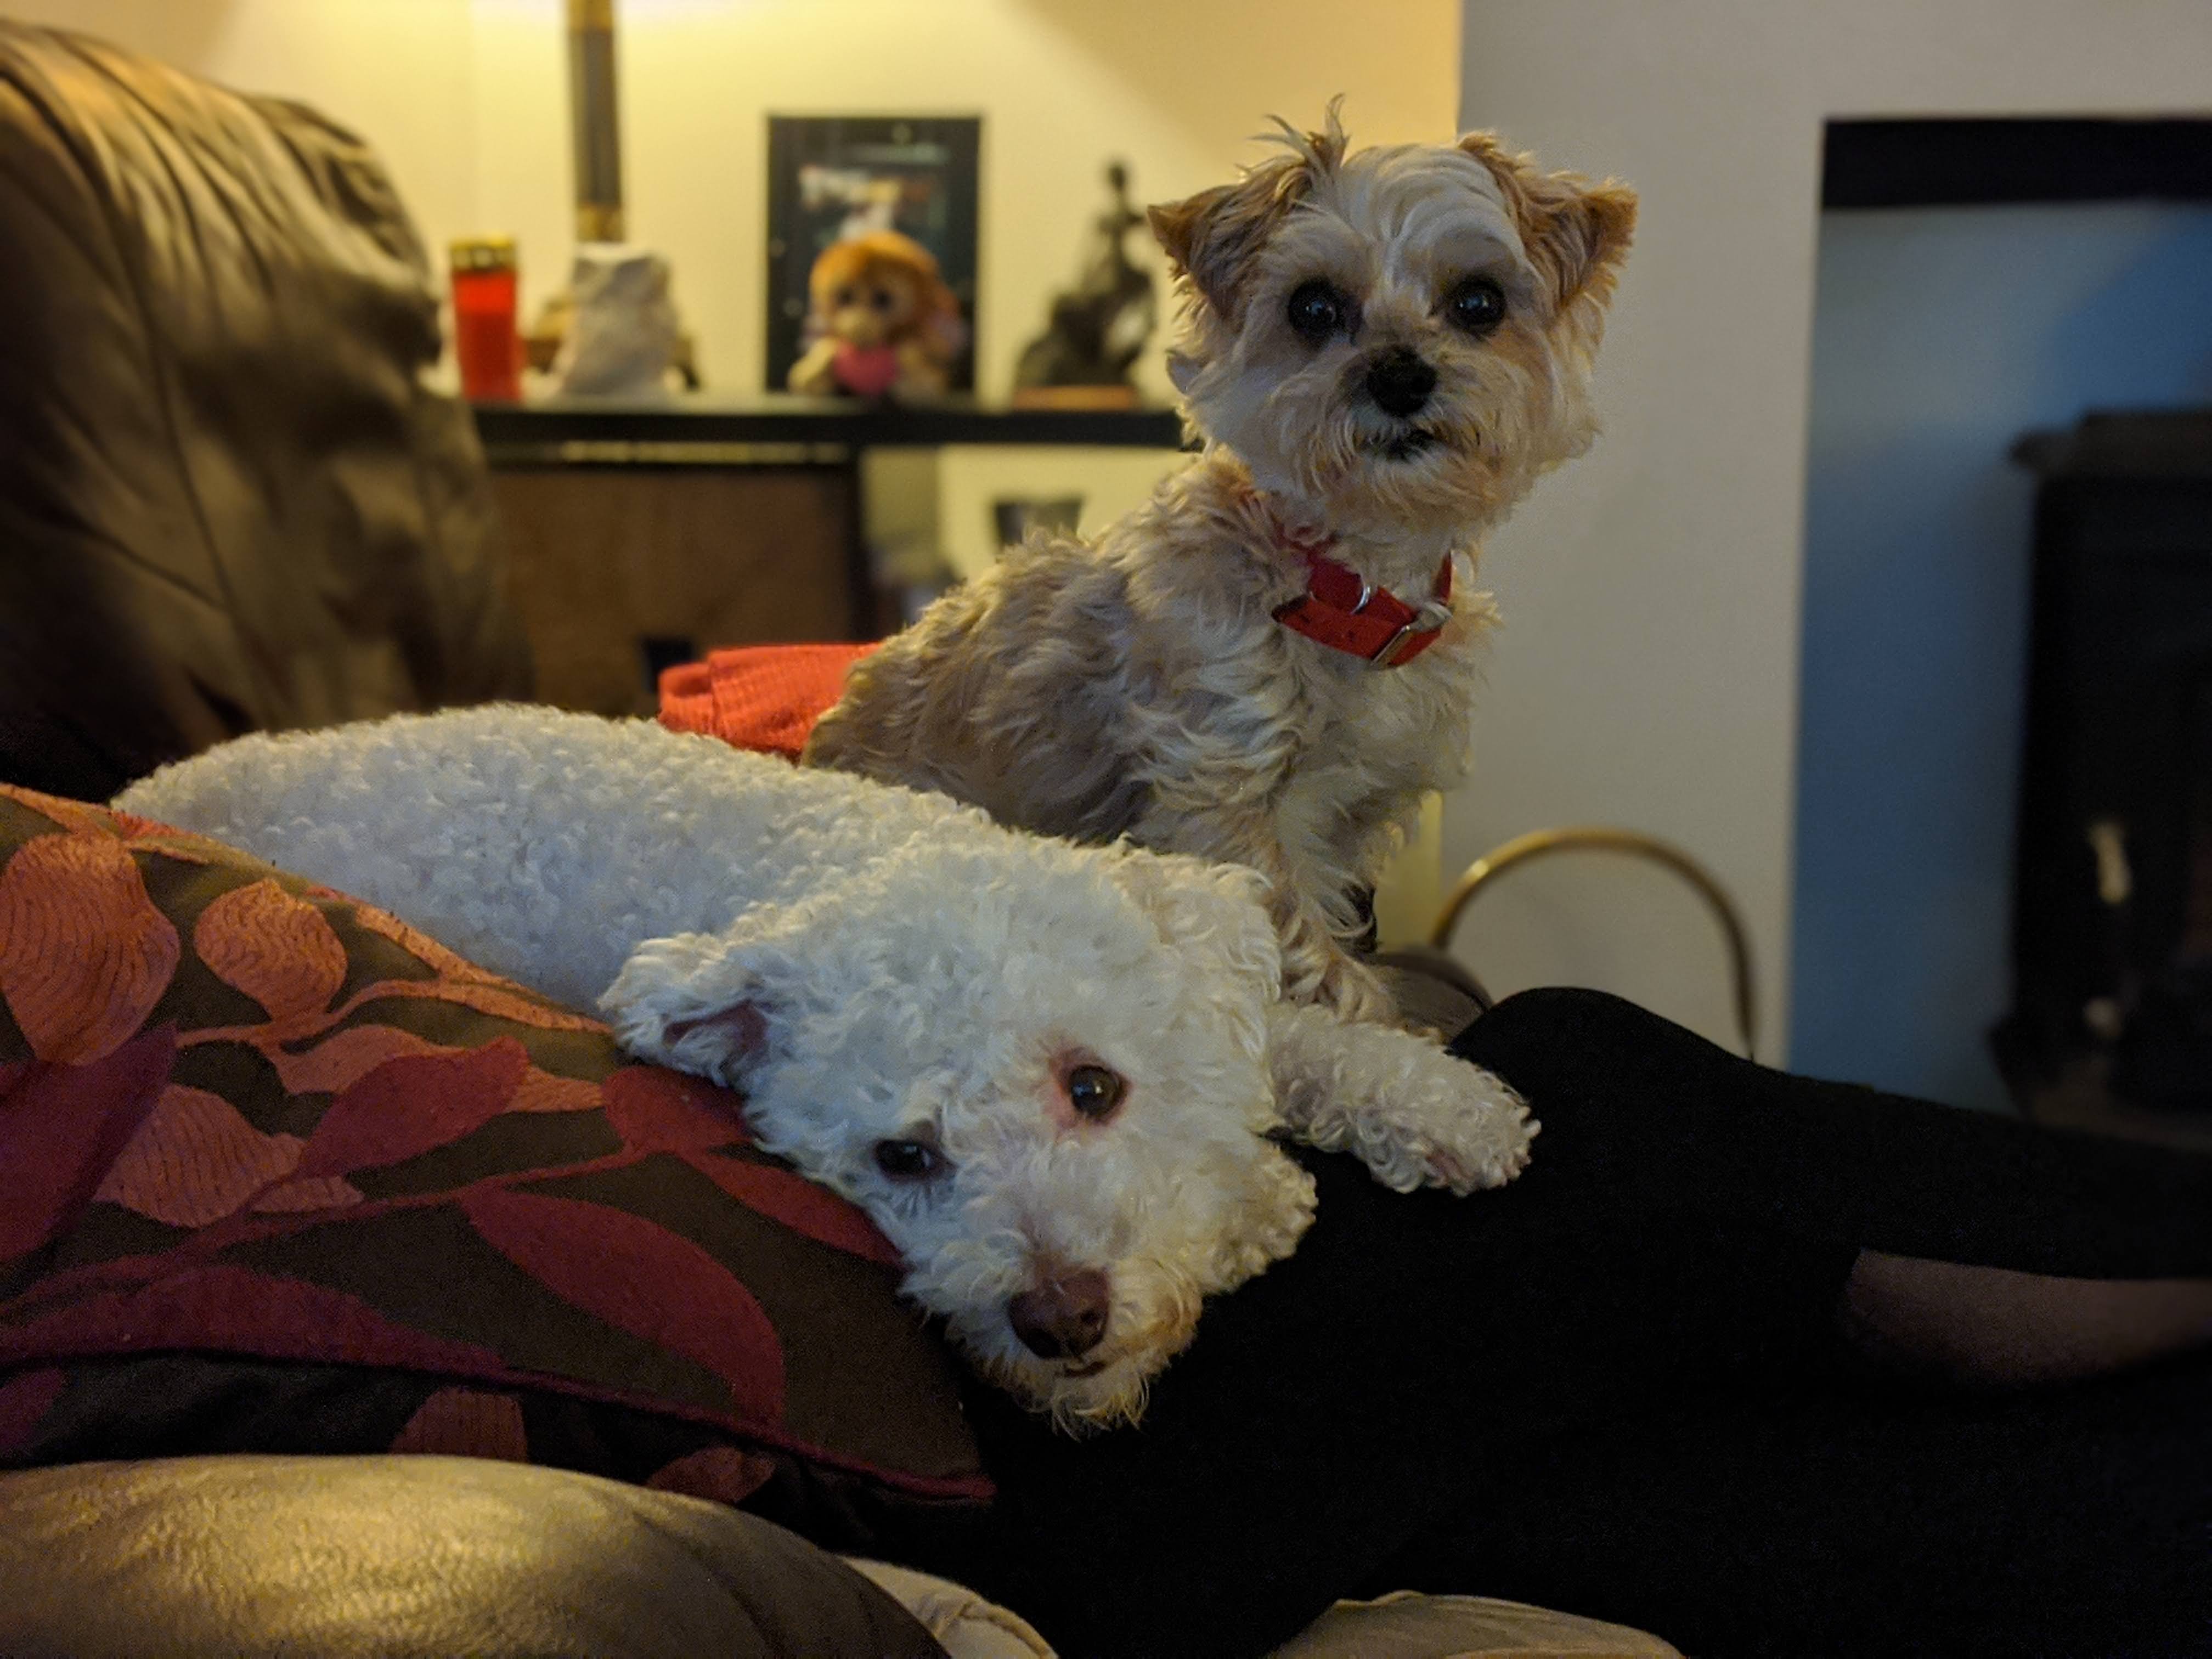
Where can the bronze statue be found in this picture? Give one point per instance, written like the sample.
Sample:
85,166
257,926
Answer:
1099,326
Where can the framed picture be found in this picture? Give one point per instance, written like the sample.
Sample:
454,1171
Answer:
834,176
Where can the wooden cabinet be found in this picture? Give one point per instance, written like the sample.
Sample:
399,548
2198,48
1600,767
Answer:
619,570
642,534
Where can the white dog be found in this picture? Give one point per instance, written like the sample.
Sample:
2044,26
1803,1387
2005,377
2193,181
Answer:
1046,1072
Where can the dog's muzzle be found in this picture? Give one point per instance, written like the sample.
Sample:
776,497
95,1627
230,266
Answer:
1064,1317
1399,381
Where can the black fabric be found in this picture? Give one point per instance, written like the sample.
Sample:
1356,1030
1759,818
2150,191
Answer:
1857,1523
1663,1279
228,500
203,1557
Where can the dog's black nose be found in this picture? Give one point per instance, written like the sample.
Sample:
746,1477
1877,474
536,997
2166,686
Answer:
1064,1318
1399,382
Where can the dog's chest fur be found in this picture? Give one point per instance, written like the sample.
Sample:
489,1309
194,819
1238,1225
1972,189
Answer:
1126,687
1342,749
1377,741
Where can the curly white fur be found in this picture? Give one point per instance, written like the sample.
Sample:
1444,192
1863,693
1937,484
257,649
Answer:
870,963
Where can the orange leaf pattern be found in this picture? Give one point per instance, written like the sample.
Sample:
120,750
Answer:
407,1107
542,1092
722,1474
216,1306
508,1002
659,1111
640,1278
798,1203
467,1422
62,1127
184,849
416,943
132,825
308,1192
78,817
84,956
275,948
195,1160
345,1057
498,999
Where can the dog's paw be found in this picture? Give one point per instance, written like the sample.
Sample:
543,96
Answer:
1411,1113
1464,1132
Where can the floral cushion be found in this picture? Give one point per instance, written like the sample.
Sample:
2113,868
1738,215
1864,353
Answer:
279,1173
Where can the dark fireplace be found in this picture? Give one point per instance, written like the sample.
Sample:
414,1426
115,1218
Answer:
2112,927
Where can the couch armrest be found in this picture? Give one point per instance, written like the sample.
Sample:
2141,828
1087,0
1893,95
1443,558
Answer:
177,1559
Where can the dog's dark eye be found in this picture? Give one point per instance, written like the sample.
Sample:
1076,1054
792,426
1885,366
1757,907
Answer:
880,298
843,297
1316,311
908,1160
1477,305
1094,1091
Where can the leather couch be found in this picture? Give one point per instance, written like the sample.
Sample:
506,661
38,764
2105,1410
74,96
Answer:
228,501
193,1557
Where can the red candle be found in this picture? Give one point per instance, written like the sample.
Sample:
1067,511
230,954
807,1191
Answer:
485,342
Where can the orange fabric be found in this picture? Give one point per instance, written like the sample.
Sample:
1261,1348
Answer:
758,696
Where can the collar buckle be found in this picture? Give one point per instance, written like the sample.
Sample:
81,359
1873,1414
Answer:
1423,625
1377,627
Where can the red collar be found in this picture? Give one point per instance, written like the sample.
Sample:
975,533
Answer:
1349,615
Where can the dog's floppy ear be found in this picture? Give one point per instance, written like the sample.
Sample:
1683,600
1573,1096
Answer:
1212,238
705,1003
1576,233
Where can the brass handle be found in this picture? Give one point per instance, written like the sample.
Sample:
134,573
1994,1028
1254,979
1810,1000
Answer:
1597,837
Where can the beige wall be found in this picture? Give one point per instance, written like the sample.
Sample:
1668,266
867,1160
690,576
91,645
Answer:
1647,673
467,101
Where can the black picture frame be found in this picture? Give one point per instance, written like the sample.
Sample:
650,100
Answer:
829,176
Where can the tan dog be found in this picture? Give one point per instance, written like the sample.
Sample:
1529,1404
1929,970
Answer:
1274,660
885,323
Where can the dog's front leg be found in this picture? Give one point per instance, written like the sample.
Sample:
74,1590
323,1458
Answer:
1341,982
1317,967
1415,1114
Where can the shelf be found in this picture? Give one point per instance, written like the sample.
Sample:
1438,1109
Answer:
772,429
